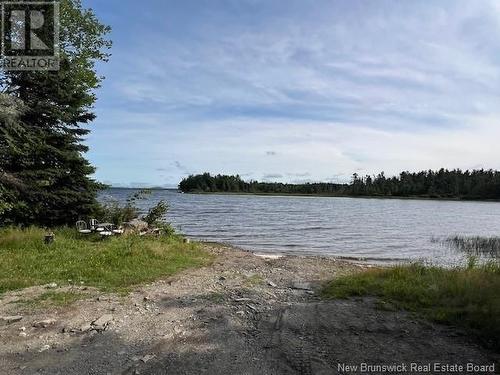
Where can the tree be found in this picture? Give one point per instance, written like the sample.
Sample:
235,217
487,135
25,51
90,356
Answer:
12,144
478,184
56,105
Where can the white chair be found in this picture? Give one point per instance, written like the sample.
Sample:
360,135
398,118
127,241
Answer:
118,231
94,225
106,231
81,227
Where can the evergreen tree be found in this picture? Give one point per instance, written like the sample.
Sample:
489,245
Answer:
46,159
12,144
477,184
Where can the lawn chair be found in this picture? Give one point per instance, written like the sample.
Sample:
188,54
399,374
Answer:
81,227
94,225
106,230
118,231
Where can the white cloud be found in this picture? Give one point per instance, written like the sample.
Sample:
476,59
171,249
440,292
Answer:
330,89
323,149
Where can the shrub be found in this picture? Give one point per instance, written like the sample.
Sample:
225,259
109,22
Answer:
114,213
156,213
117,214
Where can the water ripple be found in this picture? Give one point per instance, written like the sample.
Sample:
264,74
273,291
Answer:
375,229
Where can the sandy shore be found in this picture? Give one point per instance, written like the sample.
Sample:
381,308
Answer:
244,314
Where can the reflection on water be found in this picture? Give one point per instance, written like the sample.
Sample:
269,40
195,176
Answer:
374,229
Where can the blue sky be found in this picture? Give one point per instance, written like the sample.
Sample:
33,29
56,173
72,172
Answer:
296,90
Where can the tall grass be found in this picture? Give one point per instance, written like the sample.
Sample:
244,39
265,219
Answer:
468,297
478,246
112,263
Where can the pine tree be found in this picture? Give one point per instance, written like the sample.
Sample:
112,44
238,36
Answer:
12,144
54,185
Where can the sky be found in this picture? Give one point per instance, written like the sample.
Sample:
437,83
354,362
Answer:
297,90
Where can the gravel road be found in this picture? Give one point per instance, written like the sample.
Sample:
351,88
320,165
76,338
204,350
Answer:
242,315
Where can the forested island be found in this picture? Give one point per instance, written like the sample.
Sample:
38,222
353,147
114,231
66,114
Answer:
450,184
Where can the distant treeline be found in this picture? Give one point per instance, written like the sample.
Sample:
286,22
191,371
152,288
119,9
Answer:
476,184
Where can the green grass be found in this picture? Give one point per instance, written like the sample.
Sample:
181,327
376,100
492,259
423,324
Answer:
53,299
114,264
465,297
254,280
215,297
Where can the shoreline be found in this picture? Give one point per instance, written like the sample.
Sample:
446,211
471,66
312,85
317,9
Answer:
341,196
349,259
311,195
368,261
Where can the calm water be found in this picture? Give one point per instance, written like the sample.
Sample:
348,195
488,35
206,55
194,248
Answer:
372,229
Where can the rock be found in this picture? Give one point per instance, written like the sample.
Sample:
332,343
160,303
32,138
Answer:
251,307
301,285
51,286
271,284
101,323
242,299
147,358
22,329
136,225
222,278
44,348
44,323
23,334
12,319
272,295
85,327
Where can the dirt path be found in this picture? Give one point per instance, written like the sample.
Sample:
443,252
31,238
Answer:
242,315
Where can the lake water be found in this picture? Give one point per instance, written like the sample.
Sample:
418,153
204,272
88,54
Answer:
372,229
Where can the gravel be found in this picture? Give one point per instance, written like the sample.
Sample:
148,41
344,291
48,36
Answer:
197,323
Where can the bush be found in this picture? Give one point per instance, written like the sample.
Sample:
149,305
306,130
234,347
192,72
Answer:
166,229
156,213
116,214
112,211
